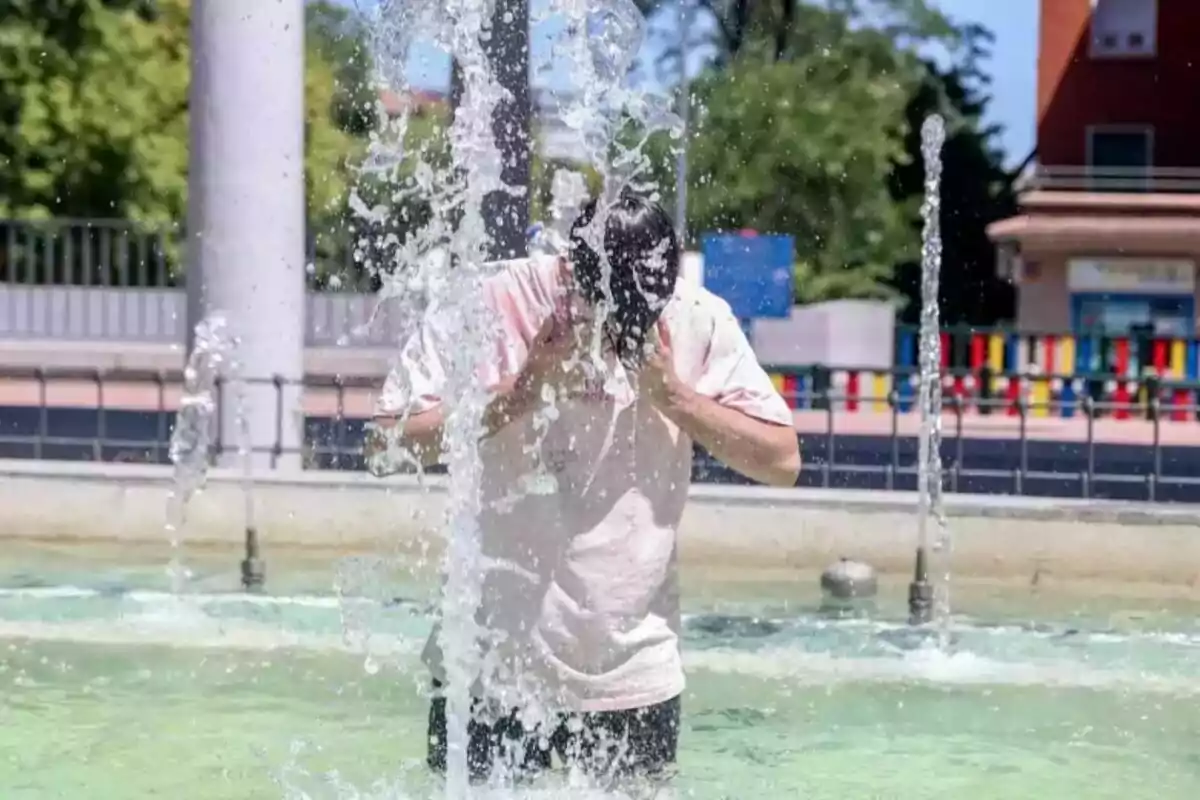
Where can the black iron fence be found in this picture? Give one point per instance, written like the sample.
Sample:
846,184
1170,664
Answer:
129,415
989,445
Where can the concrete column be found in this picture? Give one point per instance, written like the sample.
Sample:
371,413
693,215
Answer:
246,207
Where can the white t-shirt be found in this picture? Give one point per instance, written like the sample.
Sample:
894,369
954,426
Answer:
581,599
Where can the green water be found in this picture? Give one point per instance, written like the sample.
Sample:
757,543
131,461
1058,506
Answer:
109,689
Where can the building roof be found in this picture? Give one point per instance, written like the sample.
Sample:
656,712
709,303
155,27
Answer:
397,103
1096,230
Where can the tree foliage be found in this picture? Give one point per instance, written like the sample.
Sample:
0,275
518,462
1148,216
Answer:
778,29
338,34
976,189
796,134
94,111
807,122
800,147
390,198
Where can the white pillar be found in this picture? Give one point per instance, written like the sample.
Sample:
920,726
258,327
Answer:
246,207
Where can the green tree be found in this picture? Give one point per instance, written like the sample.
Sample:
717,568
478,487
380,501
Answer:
808,123
93,109
94,112
330,150
779,29
338,33
388,203
802,145
976,190
541,181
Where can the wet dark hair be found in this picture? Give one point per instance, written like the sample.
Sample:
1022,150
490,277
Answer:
643,256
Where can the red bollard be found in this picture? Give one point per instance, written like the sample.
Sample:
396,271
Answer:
1012,394
1121,398
852,390
1179,403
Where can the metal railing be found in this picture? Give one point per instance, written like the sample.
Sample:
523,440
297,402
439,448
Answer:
116,281
990,445
128,415
1078,354
99,252
1167,180
986,393
158,316
123,254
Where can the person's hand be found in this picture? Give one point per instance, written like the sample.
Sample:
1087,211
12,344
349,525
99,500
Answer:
514,396
555,359
657,379
555,349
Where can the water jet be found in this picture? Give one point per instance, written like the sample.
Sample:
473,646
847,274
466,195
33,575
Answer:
927,602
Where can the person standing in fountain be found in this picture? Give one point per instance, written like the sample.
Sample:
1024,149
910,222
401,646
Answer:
581,609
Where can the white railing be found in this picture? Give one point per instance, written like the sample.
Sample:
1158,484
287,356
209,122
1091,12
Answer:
158,316
120,281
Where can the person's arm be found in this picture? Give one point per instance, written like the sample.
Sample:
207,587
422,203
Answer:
767,452
421,434
733,411
407,423
418,438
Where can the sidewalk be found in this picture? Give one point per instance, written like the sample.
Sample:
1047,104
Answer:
350,362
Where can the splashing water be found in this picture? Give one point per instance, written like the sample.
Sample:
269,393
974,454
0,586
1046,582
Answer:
447,294
568,194
210,366
929,486
434,276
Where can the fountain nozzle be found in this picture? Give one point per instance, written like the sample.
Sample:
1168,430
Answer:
254,571
920,592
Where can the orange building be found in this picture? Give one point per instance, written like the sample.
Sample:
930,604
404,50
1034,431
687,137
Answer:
1108,234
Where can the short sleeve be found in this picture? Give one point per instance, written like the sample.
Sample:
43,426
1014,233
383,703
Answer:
416,381
520,295
732,376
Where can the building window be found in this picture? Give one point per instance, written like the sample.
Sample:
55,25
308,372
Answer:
1120,148
1120,158
1131,315
1124,28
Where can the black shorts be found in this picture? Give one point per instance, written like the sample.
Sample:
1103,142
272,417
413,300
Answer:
606,745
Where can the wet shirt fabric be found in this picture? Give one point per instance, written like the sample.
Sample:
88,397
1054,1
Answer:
582,503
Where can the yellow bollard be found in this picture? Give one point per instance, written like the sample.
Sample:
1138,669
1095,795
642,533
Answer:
881,384
1039,396
1178,359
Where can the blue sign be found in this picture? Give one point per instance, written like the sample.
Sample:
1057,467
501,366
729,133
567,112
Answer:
753,273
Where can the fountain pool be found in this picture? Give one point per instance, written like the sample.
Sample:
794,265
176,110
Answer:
109,689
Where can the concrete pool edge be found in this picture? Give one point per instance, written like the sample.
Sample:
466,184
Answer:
733,525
